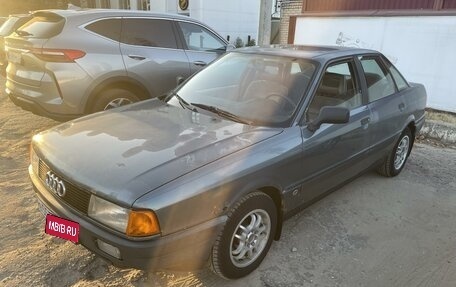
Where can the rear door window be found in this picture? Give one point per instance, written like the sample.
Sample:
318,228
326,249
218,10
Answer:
42,25
109,28
400,81
379,80
149,33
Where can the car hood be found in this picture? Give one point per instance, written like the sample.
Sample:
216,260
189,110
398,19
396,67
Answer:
125,153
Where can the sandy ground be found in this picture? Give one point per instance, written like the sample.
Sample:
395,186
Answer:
372,232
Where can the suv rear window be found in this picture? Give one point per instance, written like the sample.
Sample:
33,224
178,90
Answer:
7,27
42,25
109,28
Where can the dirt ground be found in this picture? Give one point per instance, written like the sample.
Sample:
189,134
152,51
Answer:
372,232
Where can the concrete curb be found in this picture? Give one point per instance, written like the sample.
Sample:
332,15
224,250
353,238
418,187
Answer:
438,130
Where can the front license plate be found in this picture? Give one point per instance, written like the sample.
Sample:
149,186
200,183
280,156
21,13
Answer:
14,57
62,228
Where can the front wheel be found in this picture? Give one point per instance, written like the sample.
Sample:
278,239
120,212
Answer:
246,238
395,161
113,98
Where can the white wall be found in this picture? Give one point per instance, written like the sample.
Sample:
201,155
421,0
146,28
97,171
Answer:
422,47
234,17
158,6
237,18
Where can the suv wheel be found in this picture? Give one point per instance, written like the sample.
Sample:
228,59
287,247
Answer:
114,98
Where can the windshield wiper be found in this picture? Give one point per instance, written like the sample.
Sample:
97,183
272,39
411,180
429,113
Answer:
222,113
182,102
23,33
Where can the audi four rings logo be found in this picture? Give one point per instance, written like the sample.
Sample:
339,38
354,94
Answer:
55,184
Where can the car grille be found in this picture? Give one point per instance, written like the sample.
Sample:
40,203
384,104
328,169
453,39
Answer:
74,196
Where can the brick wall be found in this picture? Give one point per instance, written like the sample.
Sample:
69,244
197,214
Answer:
289,8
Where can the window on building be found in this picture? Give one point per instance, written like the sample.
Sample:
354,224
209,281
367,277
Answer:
144,5
124,4
105,3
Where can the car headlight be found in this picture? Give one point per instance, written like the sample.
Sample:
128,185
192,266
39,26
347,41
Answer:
34,160
135,223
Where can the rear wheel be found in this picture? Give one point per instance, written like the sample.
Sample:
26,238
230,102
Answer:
246,238
113,98
395,161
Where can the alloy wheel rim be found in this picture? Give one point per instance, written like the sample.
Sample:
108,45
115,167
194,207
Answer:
401,152
250,238
117,103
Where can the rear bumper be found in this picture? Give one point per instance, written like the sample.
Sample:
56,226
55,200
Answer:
185,250
55,90
30,105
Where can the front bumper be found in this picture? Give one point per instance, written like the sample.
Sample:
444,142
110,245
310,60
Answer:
185,250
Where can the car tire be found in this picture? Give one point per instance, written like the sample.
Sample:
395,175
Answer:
395,161
246,237
113,98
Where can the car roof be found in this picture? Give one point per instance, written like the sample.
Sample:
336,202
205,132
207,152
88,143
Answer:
320,53
112,13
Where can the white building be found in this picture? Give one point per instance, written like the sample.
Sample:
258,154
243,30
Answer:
231,19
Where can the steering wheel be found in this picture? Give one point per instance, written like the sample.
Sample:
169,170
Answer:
282,99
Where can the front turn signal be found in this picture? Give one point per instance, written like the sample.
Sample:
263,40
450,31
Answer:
142,223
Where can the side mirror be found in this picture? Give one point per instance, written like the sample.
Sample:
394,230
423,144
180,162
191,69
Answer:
329,115
230,47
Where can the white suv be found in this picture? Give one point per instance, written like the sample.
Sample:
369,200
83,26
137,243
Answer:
64,63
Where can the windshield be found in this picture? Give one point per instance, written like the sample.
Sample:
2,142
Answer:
251,88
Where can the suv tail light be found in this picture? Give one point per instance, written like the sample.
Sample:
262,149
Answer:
58,55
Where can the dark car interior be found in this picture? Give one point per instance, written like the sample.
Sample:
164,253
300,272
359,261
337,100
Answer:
334,90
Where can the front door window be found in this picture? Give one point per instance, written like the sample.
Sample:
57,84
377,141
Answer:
338,87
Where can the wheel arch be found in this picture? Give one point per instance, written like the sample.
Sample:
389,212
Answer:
412,128
410,124
269,189
117,82
276,196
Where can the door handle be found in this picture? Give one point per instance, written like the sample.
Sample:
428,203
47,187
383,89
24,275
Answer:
401,107
365,121
199,63
136,57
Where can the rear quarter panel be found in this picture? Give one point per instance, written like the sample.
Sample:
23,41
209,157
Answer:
101,61
415,99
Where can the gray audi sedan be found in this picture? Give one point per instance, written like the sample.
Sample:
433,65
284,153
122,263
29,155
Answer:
209,172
